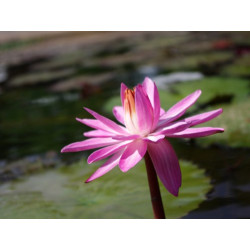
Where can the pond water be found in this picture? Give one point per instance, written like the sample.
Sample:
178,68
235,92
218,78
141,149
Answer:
44,87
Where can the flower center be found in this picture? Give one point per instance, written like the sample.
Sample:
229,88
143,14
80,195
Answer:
129,101
129,110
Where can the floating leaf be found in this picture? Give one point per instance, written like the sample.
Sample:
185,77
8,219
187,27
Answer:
236,121
62,193
241,67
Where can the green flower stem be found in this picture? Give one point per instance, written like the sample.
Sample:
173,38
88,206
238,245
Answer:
154,189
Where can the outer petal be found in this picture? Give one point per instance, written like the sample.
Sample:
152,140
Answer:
166,165
98,133
107,122
132,155
95,124
204,117
197,132
163,121
118,112
106,167
172,128
88,144
180,108
107,151
153,95
122,92
144,111
126,137
162,111
154,138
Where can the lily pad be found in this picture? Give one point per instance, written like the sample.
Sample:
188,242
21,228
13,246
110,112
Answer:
197,61
61,193
215,86
241,67
231,94
235,119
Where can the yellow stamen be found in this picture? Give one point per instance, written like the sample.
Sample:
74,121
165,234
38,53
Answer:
129,101
130,112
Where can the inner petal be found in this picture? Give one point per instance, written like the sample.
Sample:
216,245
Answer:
130,118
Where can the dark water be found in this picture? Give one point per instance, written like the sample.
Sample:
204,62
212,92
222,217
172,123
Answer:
38,118
229,172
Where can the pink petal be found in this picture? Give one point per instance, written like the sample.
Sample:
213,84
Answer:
95,124
107,122
123,138
132,154
166,165
197,132
88,144
153,95
162,111
118,112
98,133
172,128
180,108
122,92
204,117
106,167
163,120
154,138
144,111
107,151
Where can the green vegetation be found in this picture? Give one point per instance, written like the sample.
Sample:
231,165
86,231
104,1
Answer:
240,67
62,193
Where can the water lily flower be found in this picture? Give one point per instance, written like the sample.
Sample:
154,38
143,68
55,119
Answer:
144,128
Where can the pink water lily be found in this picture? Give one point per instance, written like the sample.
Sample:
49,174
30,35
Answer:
144,128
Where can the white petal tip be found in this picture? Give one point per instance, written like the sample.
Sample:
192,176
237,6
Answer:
124,170
65,150
79,119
